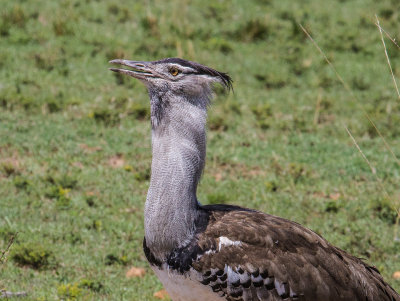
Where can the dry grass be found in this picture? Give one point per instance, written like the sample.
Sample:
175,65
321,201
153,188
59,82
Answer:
395,205
3,256
387,56
348,89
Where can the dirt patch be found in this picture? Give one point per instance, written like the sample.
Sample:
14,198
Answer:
116,161
10,164
236,170
89,149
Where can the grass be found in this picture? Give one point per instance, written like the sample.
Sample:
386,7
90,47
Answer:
75,138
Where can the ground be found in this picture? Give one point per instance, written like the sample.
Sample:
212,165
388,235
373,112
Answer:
75,138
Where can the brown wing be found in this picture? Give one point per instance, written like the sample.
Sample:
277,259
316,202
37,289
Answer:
251,256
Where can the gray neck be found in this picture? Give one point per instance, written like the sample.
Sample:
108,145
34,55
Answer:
179,148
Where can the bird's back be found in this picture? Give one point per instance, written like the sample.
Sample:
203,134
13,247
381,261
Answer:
241,254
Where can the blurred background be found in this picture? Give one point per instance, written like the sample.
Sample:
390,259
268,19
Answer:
75,138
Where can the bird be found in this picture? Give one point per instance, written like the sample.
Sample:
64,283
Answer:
226,252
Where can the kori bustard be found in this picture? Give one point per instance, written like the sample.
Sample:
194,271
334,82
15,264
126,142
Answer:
222,252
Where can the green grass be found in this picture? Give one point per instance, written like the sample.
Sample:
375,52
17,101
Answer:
75,138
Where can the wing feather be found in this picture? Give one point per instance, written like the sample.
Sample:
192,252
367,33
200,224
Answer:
246,255
271,258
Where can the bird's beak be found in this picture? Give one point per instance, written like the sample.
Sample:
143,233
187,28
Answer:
139,69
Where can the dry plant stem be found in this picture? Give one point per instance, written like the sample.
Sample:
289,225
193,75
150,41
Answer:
369,119
396,238
381,30
3,253
387,34
327,60
351,92
387,57
6,294
373,170
396,226
317,108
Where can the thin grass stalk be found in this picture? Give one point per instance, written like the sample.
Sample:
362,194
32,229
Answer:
387,57
351,92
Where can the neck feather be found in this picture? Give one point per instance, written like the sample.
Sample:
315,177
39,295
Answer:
178,147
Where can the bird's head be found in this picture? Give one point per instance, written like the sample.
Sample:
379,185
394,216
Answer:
174,76
176,86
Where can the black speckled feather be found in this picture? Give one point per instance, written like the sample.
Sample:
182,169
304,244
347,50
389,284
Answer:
274,259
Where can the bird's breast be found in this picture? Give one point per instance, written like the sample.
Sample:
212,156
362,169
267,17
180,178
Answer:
186,286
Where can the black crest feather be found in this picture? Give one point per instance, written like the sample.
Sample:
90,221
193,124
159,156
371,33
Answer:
201,69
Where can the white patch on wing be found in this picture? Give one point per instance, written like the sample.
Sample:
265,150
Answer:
226,242
256,279
244,277
280,288
232,275
211,251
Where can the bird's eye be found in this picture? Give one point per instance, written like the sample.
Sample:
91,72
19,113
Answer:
174,71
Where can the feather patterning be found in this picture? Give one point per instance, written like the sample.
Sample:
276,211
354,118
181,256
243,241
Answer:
247,255
220,252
